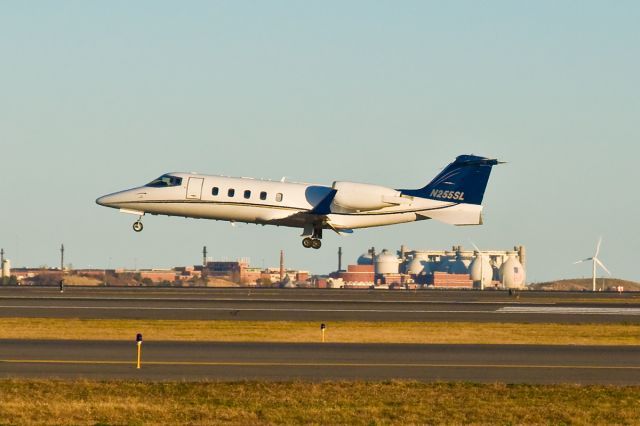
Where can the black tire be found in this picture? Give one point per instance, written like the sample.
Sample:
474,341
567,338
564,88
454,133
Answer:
137,226
316,244
307,242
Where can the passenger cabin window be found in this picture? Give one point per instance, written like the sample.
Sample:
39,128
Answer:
247,194
231,192
263,195
215,190
165,181
279,196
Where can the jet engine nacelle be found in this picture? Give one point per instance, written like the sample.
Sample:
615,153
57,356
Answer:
356,197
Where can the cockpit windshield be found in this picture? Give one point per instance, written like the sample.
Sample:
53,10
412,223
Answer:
164,181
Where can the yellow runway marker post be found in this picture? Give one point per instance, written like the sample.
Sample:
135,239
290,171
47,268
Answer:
139,344
323,328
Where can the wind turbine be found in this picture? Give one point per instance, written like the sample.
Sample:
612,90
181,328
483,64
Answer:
595,261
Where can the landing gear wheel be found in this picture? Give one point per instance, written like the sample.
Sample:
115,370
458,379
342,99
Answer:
137,226
307,242
316,244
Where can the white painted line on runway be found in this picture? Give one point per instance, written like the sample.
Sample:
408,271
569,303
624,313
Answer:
244,300
230,309
324,364
503,310
567,310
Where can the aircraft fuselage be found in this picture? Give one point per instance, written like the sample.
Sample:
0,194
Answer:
341,207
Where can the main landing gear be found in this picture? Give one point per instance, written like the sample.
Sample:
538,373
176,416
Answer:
313,235
311,242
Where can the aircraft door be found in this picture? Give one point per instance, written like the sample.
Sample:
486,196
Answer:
194,189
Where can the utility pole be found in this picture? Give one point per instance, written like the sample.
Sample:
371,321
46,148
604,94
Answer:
62,268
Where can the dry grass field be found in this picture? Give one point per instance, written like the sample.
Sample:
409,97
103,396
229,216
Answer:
342,332
253,403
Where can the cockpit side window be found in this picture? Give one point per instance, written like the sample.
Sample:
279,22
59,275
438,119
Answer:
165,181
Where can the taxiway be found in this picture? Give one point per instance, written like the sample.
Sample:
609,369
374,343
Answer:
318,305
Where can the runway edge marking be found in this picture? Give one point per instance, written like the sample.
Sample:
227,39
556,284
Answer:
318,364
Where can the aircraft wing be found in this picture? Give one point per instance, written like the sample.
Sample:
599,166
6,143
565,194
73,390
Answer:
339,231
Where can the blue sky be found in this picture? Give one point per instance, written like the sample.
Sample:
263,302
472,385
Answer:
97,97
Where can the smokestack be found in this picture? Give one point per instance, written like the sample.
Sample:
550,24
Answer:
2,262
339,259
522,254
281,265
403,252
204,263
62,258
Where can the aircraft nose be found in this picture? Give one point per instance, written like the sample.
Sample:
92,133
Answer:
121,198
105,200
114,200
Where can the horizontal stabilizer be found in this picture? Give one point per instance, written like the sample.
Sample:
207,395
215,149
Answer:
459,214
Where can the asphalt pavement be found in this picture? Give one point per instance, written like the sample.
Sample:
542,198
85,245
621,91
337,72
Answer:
619,365
319,305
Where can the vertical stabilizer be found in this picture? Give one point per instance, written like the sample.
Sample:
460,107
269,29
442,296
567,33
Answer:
463,181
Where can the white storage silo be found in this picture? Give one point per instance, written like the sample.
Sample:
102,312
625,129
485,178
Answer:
387,263
512,273
414,266
420,263
481,271
6,268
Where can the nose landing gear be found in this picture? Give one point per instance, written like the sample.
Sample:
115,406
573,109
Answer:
137,225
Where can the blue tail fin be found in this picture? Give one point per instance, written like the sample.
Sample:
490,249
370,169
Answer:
463,181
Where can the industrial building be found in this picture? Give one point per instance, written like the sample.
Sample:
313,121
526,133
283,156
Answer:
455,268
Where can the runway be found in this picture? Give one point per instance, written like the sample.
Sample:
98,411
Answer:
318,305
317,362
280,361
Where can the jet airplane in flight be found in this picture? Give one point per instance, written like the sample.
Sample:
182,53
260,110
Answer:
454,196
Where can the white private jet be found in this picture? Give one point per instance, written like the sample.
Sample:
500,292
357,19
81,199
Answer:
453,197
